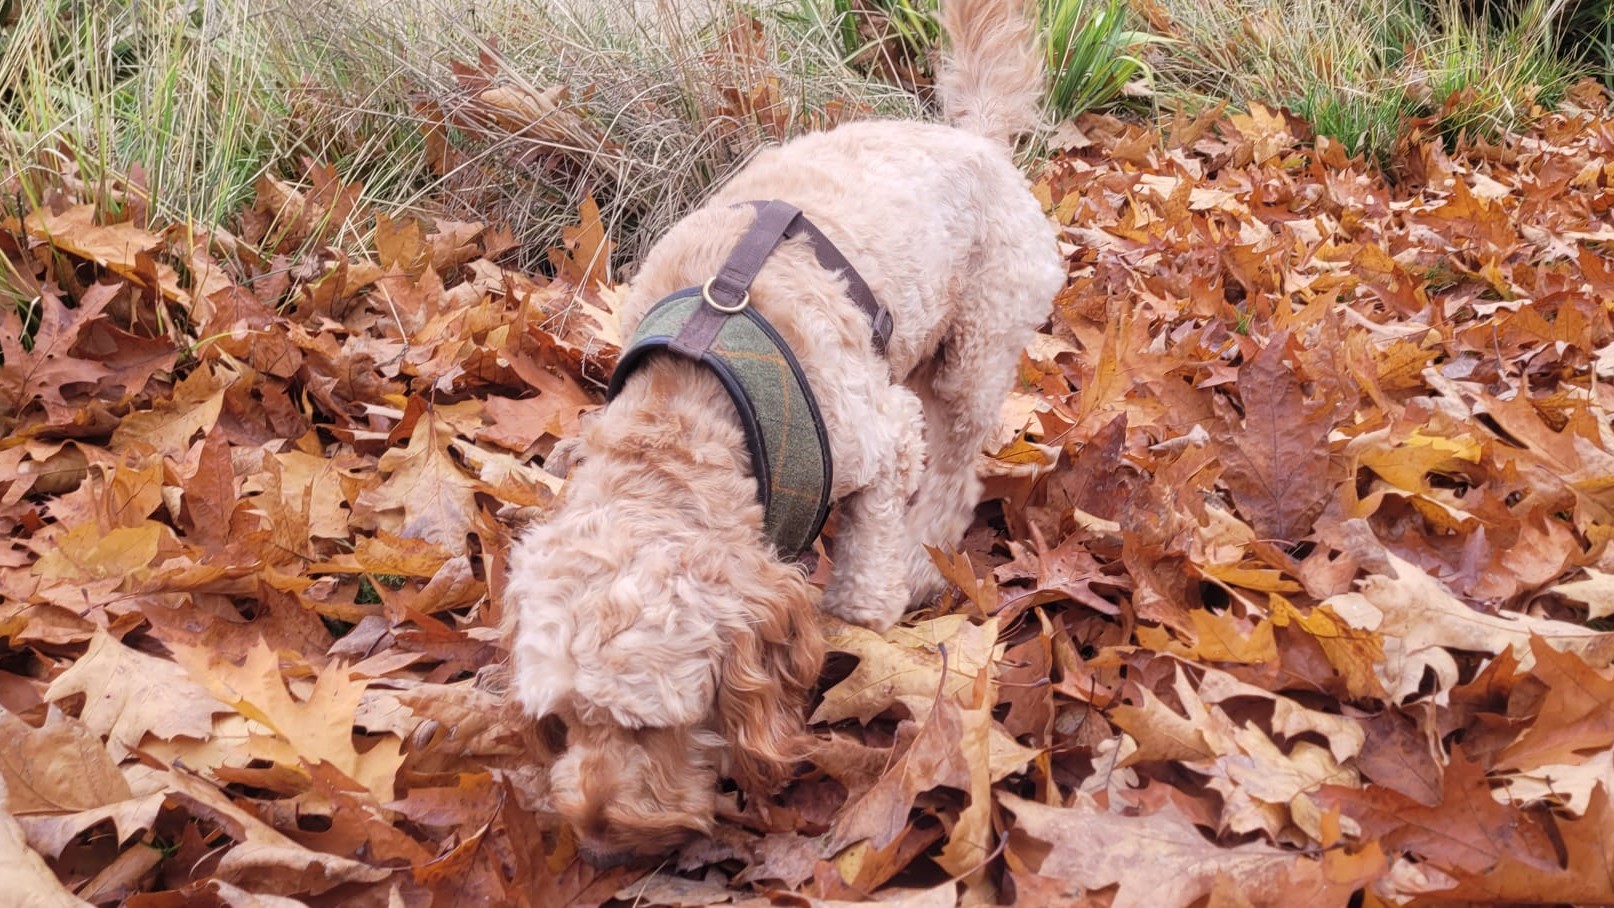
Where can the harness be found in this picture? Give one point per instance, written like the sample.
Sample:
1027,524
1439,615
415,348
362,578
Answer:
716,326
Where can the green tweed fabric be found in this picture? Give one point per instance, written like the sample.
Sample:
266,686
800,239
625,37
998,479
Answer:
784,427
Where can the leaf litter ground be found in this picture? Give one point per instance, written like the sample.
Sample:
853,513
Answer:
1291,589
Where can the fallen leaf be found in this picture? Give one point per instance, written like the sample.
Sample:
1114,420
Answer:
1422,622
317,727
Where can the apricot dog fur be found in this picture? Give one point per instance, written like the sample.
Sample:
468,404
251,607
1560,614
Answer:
649,611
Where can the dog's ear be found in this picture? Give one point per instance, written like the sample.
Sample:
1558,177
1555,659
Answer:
769,668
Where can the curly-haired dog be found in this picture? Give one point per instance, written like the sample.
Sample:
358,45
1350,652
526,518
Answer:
650,611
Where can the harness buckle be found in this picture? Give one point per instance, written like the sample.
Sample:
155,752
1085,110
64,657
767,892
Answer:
706,294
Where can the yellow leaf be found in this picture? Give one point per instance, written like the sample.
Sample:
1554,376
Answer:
85,552
317,728
1406,465
1266,580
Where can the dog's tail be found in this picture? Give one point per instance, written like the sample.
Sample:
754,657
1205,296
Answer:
991,77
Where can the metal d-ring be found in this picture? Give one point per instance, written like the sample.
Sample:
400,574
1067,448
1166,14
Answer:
706,294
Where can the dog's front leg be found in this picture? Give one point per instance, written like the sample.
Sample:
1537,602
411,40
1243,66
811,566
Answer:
870,585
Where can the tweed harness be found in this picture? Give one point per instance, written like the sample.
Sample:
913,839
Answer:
716,326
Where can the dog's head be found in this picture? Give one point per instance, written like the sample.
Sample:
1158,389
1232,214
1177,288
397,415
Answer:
672,657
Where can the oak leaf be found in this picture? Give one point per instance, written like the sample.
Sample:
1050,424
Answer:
1469,831
1161,860
1582,878
47,368
24,875
425,495
170,425
1277,460
302,731
906,667
60,781
1597,591
262,858
129,694
122,247
1421,622
1574,720
931,759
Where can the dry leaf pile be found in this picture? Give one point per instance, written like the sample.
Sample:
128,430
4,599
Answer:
1292,593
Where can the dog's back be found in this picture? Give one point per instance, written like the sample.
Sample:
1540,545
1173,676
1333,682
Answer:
991,76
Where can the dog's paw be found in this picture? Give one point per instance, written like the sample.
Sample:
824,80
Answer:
924,579
563,456
875,609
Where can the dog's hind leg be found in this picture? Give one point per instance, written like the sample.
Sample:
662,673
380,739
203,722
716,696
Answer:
962,390
944,504
869,586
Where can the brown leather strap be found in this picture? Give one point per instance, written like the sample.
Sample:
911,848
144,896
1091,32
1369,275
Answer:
695,338
734,279
778,220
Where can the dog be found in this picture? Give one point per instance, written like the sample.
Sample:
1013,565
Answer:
650,611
